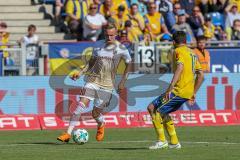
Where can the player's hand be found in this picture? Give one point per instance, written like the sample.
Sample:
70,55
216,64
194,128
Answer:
121,86
192,101
74,76
167,95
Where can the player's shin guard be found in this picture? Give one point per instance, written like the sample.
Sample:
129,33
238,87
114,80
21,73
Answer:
158,125
75,117
169,125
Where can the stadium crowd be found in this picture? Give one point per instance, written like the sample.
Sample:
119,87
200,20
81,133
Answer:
151,20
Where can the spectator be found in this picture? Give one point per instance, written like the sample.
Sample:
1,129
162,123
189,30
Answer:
196,20
107,9
98,3
187,5
208,6
59,8
74,17
209,29
31,42
137,20
166,53
233,33
85,4
154,22
202,54
132,35
120,18
181,25
166,9
31,37
4,38
92,24
176,8
142,7
236,2
232,15
117,3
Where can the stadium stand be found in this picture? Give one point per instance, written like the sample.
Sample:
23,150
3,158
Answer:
19,14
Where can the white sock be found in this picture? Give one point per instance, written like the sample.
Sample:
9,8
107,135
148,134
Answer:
75,117
100,120
70,129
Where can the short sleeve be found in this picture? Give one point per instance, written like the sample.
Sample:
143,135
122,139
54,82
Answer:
103,20
126,55
179,58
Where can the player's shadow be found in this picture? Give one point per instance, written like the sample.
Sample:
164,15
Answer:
45,143
86,147
123,149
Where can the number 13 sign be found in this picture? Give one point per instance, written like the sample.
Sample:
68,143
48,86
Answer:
146,59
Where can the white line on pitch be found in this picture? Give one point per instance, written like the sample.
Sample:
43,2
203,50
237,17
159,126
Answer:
118,142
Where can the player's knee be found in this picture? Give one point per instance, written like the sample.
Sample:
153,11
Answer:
80,108
95,113
150,108
166,118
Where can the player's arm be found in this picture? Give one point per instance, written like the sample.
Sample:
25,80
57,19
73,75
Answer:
128,59
198,80
175,78
197,85
121,84
74,75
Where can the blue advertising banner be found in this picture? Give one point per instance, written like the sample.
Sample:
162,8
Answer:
225,60
43,94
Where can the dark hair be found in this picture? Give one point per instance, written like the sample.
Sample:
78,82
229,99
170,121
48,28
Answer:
31,26
128,23
235,21
3,24
134,4
179,37
201,38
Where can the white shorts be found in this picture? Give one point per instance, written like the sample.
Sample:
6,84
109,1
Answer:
99,95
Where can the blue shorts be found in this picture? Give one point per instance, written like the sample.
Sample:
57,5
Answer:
166,107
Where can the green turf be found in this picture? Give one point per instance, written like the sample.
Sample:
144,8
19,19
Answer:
41,145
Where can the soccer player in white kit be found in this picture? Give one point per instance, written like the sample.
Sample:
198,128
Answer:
100,82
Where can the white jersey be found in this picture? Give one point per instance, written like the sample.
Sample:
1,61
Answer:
104,62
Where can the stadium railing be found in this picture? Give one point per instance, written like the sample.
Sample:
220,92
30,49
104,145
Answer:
152,58
21,60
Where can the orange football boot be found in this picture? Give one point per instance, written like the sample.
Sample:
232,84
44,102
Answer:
100,133
65,137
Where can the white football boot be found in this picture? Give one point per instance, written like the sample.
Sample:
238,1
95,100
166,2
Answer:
159,145
175,146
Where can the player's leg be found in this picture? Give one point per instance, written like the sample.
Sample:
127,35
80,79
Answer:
101,102
172,105
90,92
97,115
80,108
157,124
169,126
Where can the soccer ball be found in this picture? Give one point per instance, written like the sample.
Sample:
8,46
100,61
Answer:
80,136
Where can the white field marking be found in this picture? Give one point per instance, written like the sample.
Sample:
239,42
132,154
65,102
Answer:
118,142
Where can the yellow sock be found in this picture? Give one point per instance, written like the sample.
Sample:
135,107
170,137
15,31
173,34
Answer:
158,125
171,131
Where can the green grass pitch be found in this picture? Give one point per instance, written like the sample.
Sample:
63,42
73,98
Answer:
198,143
